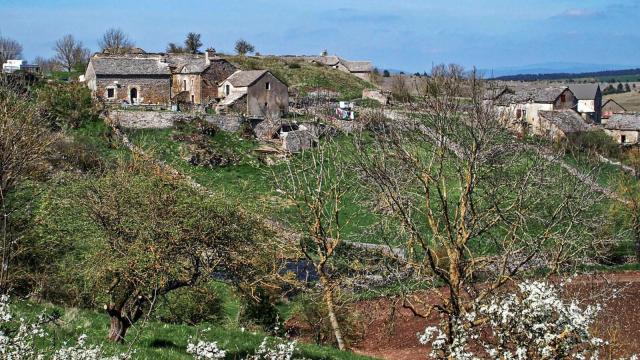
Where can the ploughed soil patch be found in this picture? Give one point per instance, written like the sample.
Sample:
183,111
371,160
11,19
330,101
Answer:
389,329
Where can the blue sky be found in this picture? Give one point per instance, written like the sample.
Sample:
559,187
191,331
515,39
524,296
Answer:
400,34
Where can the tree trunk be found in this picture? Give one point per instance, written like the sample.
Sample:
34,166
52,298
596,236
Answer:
118,329
333,319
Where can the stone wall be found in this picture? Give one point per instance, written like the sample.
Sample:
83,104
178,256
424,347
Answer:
150,90
166,119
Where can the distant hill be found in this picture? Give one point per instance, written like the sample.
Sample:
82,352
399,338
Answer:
619,75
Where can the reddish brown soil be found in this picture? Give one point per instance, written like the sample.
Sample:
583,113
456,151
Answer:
390,329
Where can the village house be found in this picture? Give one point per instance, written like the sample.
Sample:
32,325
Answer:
519,110
560,124
157,79
12,66
256,94
134,79
609,108
589,101
360,69
624,128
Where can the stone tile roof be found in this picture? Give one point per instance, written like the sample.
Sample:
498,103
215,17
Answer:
245,78
624,122
187,63
584,91
130,65
357,66
569,121
526,95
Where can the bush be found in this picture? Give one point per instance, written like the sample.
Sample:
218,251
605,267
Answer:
191,306
314,315
262,311
294,66
596,141
67,106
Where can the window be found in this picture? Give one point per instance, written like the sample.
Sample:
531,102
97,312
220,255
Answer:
111,93
519,114
563,98
266,105
268,86
193,98
623,139
184,85
227,89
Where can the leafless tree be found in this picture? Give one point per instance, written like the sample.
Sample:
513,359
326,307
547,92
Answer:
46,65
70,52
9,49
115,41
173,48
24,145
476,209
317,188
243,47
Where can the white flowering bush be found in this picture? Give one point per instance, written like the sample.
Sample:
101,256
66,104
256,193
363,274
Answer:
269,349
21,343
532,323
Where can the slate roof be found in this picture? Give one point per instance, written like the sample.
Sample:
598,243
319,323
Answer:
130,65
624,122
535,95
187,63
245,78
584,91
569,121
357,66
613,102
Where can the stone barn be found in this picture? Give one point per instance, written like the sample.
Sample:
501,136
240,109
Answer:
609,108
134,79
255,94
624,128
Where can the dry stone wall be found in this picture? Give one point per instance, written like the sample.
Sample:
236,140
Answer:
166,119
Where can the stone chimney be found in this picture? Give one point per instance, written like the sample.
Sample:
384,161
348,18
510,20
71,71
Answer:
209,54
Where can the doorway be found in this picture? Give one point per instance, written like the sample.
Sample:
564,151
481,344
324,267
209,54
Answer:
133,96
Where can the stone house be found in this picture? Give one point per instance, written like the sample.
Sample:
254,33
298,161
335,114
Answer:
559,124
609,108
195,77
519,110
157,79
135,79
589,101
360,69
256,94
624,128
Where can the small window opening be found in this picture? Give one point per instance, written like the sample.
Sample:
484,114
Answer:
184,85
623,139
563,98
268,86
111,93
227,89
193,98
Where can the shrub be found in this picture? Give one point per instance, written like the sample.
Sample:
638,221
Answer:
596,141
262,311
294,66
191,306
314,315
67,106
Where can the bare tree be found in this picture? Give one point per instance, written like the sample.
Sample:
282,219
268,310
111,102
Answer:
70,52
115,41
9,49
317,188
243,47
192,43
46,65
476,209
24,146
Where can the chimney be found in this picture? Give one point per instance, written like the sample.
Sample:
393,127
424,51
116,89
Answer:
209,54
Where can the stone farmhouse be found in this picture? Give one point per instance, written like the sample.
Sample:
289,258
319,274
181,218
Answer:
559,124
589,101
609,108
157,79
519,110
360,69
624,128
256,94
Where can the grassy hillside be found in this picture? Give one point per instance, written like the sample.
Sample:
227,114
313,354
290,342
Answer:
304,76
629,100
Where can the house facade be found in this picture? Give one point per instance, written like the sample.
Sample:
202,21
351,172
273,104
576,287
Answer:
140,79
519,110
624,128
609,108
255,94
589,98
